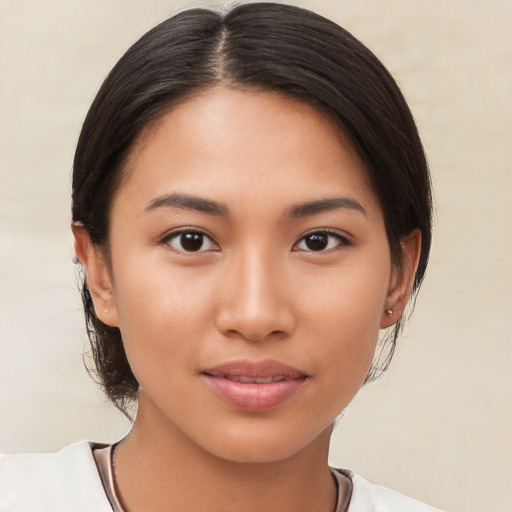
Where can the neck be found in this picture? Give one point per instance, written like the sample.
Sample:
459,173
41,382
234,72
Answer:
162,469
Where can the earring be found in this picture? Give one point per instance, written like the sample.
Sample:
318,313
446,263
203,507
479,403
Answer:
105,311
389,312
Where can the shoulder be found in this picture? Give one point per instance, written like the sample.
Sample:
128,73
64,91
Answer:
368,497
63,481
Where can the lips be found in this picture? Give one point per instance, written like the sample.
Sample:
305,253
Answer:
255,387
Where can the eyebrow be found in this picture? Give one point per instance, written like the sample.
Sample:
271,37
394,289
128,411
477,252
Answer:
187,202
325,205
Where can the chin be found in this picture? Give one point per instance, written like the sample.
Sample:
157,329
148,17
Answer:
255,453
260,445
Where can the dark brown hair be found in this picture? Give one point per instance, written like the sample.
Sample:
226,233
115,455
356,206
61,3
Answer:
265,46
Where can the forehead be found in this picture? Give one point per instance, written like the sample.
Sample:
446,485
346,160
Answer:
228,144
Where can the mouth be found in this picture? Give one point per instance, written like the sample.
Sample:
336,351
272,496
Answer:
254,387
247,380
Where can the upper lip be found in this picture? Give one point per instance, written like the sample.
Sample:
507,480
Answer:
256,370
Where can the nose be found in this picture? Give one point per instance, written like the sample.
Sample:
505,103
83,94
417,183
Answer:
255,304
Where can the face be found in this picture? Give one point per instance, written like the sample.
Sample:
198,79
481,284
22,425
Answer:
249,273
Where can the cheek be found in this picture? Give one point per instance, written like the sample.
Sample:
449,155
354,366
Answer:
344,315
162,314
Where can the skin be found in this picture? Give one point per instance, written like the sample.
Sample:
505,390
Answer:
254,291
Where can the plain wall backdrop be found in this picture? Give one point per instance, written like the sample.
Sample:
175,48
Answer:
438,425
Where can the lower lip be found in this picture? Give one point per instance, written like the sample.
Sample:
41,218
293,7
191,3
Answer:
253,396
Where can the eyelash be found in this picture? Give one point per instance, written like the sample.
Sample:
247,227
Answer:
320,233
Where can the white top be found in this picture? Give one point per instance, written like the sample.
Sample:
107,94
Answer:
68,481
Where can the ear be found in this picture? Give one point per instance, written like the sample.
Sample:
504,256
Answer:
98,275
402,280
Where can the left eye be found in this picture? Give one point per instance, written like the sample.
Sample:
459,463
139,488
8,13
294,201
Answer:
320,241
191,241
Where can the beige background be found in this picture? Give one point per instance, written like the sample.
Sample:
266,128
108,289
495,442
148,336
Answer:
438,426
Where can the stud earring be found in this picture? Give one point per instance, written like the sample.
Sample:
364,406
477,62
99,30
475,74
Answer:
389,312
105,311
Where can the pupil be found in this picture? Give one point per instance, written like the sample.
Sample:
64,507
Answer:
191,241
317,241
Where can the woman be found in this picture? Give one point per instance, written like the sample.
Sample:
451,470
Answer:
251,205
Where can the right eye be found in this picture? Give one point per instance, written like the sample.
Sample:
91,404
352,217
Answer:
191,241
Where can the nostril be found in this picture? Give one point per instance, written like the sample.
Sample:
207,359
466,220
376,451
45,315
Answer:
255,335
